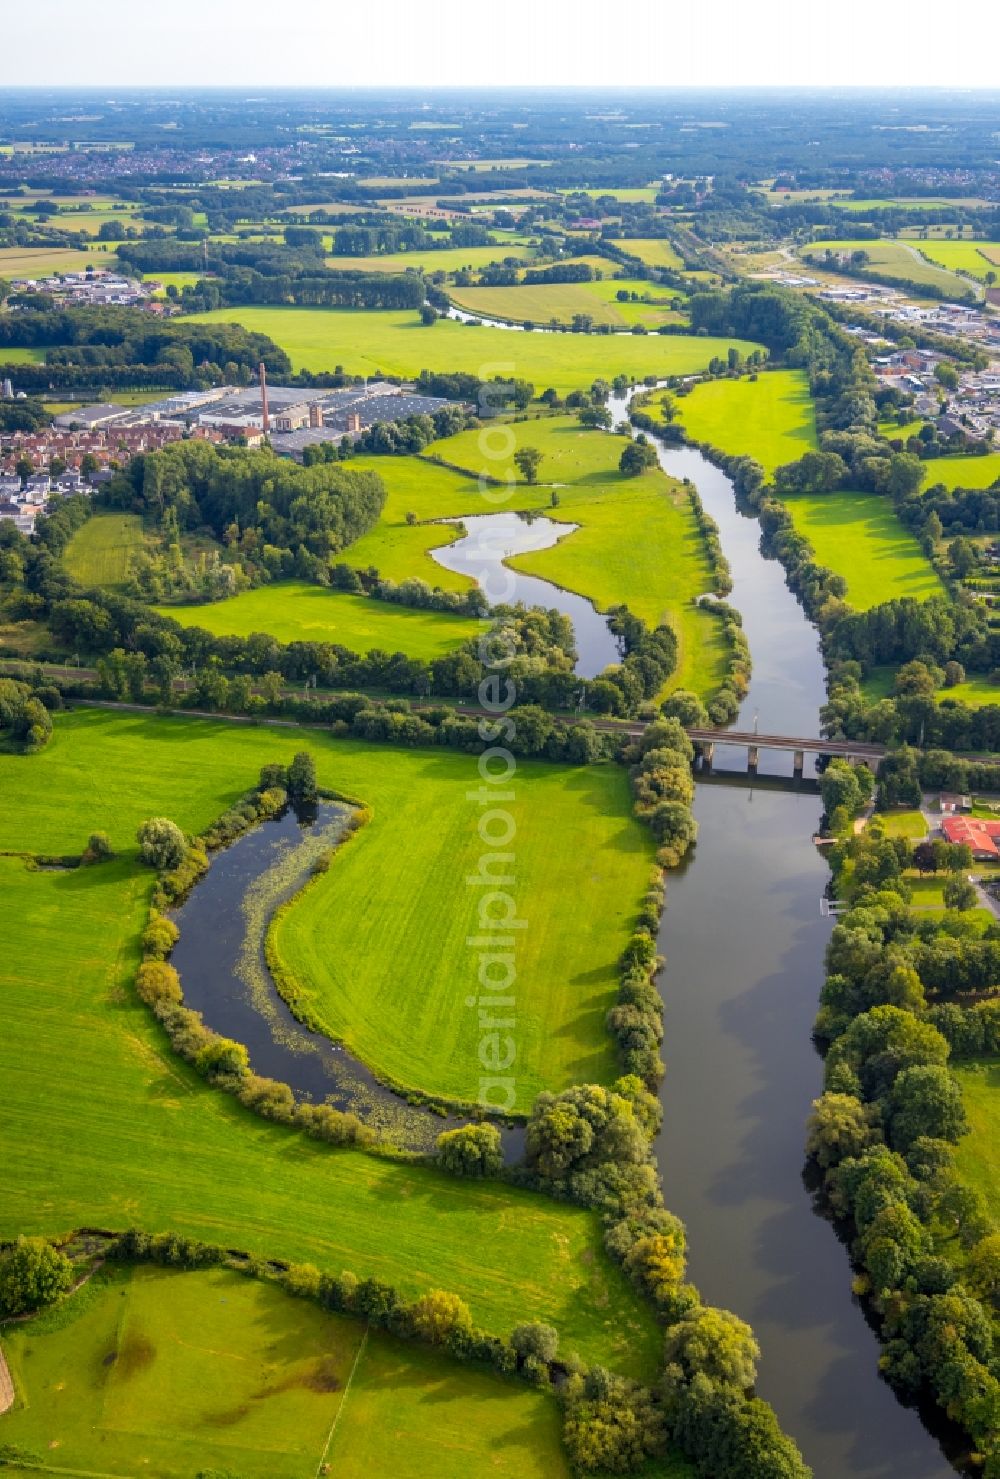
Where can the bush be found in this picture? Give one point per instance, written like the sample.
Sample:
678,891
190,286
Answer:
437,1315
158,984
32,1274
98,849
159,937
535,1339
162,844
471,1150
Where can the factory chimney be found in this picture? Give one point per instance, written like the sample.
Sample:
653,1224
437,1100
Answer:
263,398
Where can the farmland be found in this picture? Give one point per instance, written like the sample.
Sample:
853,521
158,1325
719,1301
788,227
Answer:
771,419
655,251
858,536
976,258
439,259
894,261
113,1381
101,550
90,1080
294,611
560,302
40,261
395,342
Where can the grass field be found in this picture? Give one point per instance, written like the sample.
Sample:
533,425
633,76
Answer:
771,419
441,259
168,1372
655,251
858,536
103,1126
395,342
978,1154
909,824
294,611
19,356
179,280
963,472
893,260
41,261
975,691
545,302
101,550
972,257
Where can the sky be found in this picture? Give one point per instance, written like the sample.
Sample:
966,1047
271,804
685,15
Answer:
390,43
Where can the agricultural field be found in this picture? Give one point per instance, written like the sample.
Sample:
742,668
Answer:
771,419
893,260
42,261
368,342
18,356
963,472
295,611
655,251
633,194
978,1154
858,536
545,302
90,1080
971,257
178,280
440,259
915,203
169,1372
101,550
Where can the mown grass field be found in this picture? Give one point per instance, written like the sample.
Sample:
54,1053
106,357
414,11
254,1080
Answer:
103,1125
893,260
974,257
294,611
395,342
169,1372
963,472
559,302
858,536
19,356
655,251
637,543
771,419
975,691
440,259
101,550
978,1153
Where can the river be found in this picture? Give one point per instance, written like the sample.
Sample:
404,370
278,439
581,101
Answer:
743,940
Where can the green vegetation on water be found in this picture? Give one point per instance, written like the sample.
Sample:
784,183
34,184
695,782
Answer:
90,1080
395,342
172,1372
101,550
858,536
294,611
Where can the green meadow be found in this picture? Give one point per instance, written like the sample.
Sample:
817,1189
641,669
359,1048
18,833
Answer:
101,550
894,261
546,302
168,1372
637,541
18,356
294,611
102,1125
655,251
858,536
41,261
963,472
976,258
978,1153
438,259
367,342
771,419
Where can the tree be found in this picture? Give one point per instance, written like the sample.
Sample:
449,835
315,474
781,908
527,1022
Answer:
946,375
925,1100
528,460
301,783
98,848
958,893
686,707
636,458
715,1343
535,1339
32,1274
162,844
428,315
471,1150
839,1128
438,1315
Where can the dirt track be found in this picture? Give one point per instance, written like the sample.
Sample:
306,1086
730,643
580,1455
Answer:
6,1385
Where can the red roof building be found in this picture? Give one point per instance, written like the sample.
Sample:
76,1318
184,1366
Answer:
982,836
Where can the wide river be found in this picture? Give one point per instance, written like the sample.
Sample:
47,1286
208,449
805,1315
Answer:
744,939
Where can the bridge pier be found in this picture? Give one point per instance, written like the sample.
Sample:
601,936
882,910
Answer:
753,758
707,754
798,763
